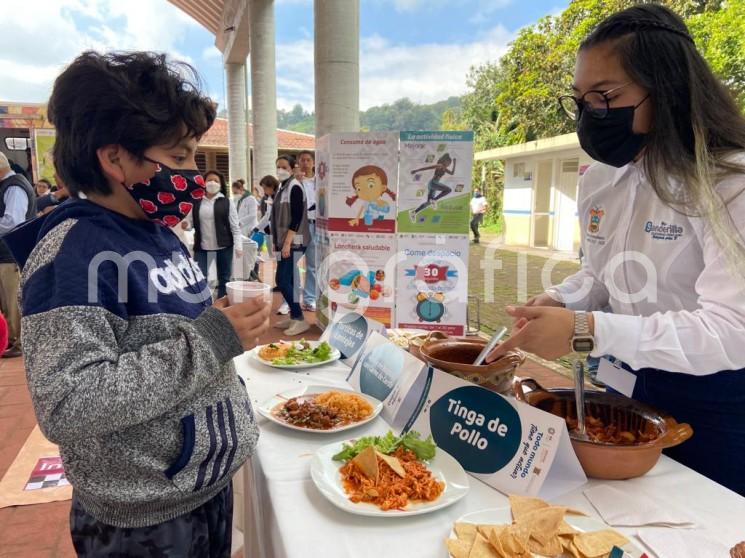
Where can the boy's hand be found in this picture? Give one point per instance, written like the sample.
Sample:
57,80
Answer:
249,319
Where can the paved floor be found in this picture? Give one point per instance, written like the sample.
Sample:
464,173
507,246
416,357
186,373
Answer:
41,531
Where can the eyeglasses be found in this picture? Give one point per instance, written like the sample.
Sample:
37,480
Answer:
596,103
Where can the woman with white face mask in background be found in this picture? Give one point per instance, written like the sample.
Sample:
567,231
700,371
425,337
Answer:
216,230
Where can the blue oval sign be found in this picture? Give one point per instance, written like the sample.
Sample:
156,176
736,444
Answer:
477,427
349,334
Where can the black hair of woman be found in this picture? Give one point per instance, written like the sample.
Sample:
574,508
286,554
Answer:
290,159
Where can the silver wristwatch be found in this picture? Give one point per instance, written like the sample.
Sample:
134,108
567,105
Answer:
582,340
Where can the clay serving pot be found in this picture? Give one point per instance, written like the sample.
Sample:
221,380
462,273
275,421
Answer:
603,460
456,355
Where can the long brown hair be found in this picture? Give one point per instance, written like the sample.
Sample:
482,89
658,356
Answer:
367,170
697,125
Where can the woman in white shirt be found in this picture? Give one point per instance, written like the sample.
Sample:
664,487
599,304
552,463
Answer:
216,230
662,216
247,207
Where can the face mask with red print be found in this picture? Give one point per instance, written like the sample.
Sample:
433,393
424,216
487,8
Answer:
169,195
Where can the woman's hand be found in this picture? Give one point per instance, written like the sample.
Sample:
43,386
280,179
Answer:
239,254
542,330
249,319
286,249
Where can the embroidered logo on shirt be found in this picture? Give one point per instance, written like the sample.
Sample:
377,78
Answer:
663,231
596,215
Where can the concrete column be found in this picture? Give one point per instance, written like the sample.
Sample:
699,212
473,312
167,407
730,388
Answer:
337,66
263,87
237,129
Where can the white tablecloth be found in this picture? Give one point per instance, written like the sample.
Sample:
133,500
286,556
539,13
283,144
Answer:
292,519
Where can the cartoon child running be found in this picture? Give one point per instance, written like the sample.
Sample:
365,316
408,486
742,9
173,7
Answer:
436,190
370,184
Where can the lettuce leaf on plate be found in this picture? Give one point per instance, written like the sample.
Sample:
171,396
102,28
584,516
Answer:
387,444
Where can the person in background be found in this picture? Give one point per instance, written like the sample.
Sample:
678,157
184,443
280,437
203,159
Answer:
247,207
662,213
478,210
17,204
42,187
290,233
19,170
135,389
307,163
50,200
216,230
268,186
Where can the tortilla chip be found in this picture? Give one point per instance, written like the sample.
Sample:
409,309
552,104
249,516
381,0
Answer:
552,547
566,529
599,543
367,462
521,505
393,463
458,548
465,532
495,539
571,548
482,549
543,523
572,511
515,541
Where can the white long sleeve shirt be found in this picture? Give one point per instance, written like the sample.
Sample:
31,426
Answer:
309,185
676,303
207,224
248,210
16,206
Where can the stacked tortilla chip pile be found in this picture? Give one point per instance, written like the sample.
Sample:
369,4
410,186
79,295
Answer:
537,528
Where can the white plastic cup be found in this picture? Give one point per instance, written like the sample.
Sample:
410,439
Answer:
241,291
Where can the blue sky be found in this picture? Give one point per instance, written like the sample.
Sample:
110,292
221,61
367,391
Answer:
421,49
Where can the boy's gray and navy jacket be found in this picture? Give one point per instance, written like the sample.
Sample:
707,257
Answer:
129,368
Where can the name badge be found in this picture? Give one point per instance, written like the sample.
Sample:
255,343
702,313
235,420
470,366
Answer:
616,377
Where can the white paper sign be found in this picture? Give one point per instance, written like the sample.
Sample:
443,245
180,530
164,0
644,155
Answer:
432,282
389,373
509,445
611,374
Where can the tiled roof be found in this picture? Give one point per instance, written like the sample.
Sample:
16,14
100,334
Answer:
217,136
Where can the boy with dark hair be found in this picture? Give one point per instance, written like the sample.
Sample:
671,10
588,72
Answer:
140,393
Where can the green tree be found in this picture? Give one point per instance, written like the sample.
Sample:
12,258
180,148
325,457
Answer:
523,85
720,36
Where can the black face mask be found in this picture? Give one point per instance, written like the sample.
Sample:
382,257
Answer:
611,140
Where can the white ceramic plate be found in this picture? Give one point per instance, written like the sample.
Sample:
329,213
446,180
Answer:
579,522
265,409
325,474
335,355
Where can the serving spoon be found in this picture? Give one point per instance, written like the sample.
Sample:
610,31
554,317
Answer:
579,397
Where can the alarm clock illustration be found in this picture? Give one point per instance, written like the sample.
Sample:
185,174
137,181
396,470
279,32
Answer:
430,307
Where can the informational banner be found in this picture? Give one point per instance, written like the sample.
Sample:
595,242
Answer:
435,182
348,333
432,282
390,374
43,148
358,274
358,181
